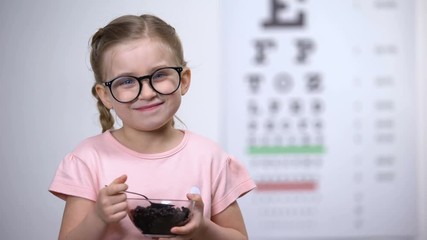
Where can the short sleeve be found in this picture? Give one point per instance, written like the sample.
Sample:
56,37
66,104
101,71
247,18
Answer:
232,182
73,177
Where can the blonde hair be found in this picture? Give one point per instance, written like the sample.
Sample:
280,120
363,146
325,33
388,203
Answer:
122,29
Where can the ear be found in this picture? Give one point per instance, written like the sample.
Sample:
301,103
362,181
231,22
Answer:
104,95
185,80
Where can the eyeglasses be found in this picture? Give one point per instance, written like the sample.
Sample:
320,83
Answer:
164,81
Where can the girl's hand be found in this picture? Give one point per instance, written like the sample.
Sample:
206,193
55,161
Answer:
196,224
111,204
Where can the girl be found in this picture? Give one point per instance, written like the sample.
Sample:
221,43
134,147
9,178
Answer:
140,72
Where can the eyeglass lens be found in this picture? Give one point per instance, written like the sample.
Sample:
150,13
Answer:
164,81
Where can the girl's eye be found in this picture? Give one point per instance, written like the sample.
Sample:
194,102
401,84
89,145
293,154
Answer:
125,82
160,75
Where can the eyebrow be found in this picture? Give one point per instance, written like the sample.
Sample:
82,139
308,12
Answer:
129,74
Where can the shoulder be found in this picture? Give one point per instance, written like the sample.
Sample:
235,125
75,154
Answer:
205,151
93,144
201,142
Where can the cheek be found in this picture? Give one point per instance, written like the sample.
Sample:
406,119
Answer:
175,101
120,110
109,99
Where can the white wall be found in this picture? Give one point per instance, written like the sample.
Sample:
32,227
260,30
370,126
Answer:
422,152
46,106
45,101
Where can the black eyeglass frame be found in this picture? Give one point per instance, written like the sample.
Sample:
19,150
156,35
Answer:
150,81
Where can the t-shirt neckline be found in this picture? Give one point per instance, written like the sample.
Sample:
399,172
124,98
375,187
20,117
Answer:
109,136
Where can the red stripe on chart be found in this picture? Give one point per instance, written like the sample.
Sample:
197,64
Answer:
286,186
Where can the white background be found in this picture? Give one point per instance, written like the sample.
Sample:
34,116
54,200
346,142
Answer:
46,104
47,109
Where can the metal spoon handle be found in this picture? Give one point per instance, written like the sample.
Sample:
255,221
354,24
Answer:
139,194
151,203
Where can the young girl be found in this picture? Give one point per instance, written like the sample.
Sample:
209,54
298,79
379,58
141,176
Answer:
140,72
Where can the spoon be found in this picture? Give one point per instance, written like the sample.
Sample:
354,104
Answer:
153,204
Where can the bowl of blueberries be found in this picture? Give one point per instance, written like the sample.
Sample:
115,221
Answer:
156,217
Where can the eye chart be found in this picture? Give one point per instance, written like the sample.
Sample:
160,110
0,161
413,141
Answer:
320,105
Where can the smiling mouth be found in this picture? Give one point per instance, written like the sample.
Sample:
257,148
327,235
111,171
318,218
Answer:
148,107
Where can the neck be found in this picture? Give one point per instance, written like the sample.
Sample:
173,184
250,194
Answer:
156,141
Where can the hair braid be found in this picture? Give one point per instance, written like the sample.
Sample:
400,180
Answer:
105,117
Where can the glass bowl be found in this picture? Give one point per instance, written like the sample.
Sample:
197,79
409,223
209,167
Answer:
156,217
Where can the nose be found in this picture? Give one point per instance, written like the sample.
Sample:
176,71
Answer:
146,92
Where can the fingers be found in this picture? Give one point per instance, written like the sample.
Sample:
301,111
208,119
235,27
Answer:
111,208
106,199
111,205
198,201
196,222
114,212
121,179
117,185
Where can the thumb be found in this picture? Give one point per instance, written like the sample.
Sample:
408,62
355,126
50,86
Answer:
121,179
197,199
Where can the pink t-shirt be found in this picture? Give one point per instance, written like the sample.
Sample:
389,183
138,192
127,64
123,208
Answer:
196,161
